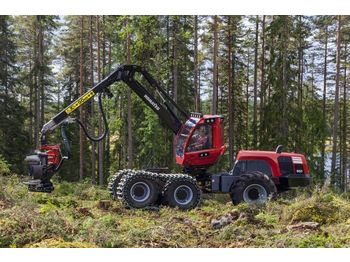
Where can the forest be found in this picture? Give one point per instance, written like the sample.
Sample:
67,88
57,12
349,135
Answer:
276,79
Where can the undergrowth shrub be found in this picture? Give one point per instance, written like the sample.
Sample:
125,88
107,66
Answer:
320,208
25,224
84,190
267,218
60,243
318,240
4,166
103,231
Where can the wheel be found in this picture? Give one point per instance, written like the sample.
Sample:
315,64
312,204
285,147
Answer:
138,190
114,182
182,192
252,188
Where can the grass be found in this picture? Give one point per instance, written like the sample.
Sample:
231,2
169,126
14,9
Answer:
81,215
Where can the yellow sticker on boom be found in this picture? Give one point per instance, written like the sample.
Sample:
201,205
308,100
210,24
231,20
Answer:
80,101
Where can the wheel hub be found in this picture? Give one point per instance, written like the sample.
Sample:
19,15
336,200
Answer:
140,191
183,195
255,193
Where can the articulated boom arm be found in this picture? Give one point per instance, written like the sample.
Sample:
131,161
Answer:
126,73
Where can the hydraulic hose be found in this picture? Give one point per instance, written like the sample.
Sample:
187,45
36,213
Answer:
105,123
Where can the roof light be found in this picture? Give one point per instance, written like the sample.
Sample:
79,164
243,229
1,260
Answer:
196,115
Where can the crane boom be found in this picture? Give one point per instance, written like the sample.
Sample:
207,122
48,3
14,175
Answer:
48,159
126,73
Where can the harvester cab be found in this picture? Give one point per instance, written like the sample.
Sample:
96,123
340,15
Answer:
200,141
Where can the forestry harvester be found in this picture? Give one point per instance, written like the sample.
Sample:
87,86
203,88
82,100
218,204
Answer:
198,144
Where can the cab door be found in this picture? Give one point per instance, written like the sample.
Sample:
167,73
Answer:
200,150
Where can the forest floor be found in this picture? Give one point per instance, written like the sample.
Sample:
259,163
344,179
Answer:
81,215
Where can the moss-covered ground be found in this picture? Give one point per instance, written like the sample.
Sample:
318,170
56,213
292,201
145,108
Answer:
81,215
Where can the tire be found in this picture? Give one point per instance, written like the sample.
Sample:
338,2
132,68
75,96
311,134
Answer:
115,180
139,190
182,192
253,188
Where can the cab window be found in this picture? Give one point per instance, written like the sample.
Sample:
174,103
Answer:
201,138
259,165
183,136
239,168
247,166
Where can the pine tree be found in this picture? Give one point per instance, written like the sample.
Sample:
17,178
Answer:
8,55
81,109
92,126
334,176
262,82
196,66
255,95
99,78
214,105
230,87
13,134
130,130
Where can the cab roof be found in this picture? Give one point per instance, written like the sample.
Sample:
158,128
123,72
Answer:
271,154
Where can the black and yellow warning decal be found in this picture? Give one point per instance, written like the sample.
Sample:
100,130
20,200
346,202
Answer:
80,102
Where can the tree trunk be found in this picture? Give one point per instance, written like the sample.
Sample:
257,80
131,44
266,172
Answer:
175,65
103,33
169,87
36,87
230,87
298,134
323,149
93,144
312,75
214,105
109,56
121,131
3,51
175,58
41,69
196,86
255,108
130,130
345,151
100,144
334,177
81,109
104,141
247,101
302,76
168,53
31,104
283,135
262,83
108,137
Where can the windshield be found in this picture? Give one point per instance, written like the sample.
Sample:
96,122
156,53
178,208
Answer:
201,138
186,130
